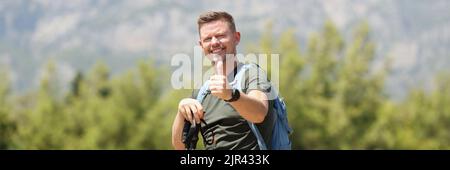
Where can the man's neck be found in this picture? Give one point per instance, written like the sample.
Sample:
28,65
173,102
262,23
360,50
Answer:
229,65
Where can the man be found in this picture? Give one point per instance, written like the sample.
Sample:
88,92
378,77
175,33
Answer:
225,110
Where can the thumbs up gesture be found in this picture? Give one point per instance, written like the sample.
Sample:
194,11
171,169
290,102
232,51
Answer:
218,84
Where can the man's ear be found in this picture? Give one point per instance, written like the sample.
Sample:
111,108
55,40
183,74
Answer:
237,36
200,43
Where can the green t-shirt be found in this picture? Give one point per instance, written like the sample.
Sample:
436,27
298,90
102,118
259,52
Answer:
225,127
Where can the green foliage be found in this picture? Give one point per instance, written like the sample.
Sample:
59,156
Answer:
129,111
420,122
335,100
7,126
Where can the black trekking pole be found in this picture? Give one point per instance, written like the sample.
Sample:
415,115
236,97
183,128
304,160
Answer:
190,134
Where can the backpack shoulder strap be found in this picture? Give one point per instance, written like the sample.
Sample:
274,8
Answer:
203,92
238,85
262,145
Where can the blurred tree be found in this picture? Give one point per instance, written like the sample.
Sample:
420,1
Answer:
332,96
420,122
7,126
76,84
42,127
98,79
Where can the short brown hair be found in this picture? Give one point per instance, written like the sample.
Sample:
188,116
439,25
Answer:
210,16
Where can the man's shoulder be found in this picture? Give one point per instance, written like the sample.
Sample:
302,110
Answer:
254,69
195,93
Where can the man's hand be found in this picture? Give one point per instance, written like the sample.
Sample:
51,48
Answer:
218,84
188,106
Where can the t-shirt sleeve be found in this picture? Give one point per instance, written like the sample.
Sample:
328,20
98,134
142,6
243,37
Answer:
256,79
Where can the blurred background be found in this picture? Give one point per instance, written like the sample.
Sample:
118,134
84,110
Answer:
87,74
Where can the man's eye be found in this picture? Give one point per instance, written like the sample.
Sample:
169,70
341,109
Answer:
220,36
207,40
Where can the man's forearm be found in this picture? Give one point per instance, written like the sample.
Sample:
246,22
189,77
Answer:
177,132
252,107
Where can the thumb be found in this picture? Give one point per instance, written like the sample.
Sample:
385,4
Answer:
219,67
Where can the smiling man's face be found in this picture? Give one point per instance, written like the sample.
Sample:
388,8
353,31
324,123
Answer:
216,37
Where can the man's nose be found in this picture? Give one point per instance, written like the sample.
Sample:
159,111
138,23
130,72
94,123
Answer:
214,41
